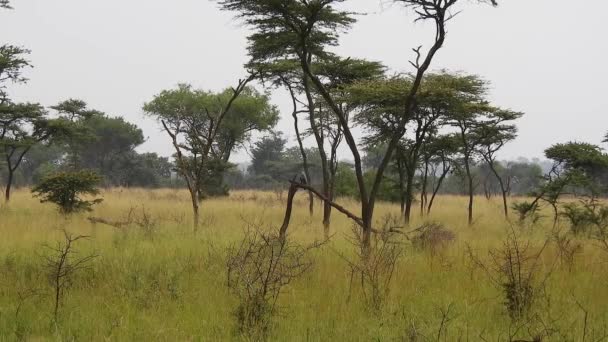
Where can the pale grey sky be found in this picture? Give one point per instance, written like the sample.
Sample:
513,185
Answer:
546,58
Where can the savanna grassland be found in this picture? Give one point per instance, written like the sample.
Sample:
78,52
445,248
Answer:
168,283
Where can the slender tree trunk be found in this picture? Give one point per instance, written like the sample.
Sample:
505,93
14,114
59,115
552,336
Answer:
195,209
326,218
366,236
401,186
503,189
9,184
471,189
436,190
423,195
486,190
320,146
311,201
409,195
348,136
292,192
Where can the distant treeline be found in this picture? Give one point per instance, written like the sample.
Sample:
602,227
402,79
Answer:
99,143
108,147
273,164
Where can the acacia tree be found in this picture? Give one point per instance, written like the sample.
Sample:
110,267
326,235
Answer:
494,136
380,106
337,74
442,149
304,30
23,126
579,169
474,120
194,120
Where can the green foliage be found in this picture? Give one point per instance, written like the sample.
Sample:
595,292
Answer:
585,216
526,211
107,147
207,127
587,164
12,63
65,190
22,126
250,112
345,181
389,188
309,25
213,182
266,156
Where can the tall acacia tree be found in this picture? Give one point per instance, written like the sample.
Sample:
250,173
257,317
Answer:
476,121
305,29
338,75
442,149
195,120
380,105
495,134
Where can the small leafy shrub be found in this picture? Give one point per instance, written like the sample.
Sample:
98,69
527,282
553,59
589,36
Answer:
527,212
65,190
580,218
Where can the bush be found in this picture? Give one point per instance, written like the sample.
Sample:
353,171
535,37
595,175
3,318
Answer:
527,211
432,237
259,268
64,189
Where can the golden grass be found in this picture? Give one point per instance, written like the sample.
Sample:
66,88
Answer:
172,286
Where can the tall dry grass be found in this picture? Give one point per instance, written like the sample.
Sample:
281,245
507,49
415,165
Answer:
170,285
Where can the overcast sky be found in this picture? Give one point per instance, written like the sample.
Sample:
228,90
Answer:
547,58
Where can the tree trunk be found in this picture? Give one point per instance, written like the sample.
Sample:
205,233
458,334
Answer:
409,196
423,196
292,192
326,218
366,234
503,189
195,210
401,186
311,201
471,190
320,146
9,184
436,190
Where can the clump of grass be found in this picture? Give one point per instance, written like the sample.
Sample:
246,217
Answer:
432,237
